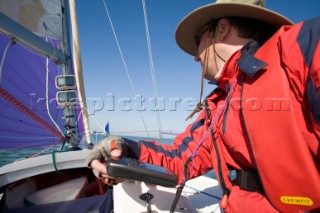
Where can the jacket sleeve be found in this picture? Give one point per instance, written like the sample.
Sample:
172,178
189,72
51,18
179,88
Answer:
300,49
174,156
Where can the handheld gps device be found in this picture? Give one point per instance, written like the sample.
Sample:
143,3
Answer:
136,170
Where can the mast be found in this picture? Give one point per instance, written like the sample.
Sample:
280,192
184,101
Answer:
78,69
69,110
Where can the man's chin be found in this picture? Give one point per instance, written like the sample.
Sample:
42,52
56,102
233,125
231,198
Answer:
209,77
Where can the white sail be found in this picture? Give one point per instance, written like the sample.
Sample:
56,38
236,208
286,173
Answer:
43,17
78,69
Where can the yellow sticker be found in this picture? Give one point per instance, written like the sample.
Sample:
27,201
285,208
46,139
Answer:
304,201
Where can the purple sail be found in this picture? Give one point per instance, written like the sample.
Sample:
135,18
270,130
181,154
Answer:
25,120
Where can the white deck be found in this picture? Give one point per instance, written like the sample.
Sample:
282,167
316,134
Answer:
199,195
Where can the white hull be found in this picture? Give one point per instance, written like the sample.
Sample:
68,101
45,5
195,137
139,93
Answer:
43,164
18,182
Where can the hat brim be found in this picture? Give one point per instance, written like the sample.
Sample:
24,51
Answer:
190,25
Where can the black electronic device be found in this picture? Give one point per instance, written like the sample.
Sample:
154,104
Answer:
136,170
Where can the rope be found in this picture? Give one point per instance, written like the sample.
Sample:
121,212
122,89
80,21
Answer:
123,61
4,56
155,93
47,97
193,154
54,160
214,120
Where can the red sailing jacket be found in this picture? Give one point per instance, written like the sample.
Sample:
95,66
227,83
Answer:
270,122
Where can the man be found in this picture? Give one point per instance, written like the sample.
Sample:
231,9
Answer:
263,120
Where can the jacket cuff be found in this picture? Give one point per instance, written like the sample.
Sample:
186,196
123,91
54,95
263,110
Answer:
132,148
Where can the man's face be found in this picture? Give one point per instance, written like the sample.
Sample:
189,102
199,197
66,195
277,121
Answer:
207,48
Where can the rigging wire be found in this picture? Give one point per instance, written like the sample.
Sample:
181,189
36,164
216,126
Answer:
43,151
97,122
79,139
119,133
124,63
155,92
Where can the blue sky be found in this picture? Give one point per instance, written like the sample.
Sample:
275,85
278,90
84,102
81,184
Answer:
177,75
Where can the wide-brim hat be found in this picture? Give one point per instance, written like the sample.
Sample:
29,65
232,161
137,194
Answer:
190,25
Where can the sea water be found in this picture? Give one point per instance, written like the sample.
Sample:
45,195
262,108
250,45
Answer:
9,156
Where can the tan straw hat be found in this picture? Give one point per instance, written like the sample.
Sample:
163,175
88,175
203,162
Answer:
190,25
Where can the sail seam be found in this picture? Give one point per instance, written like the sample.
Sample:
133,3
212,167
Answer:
29,113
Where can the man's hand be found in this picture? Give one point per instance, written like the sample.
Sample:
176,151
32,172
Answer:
111,147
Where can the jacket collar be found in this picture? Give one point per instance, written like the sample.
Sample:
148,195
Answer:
245,61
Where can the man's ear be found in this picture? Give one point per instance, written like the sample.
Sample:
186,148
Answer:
223,29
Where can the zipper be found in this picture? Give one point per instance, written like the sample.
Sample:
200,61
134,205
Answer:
245,130
224,121
207,110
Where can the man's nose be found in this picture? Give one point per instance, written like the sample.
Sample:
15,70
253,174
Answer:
197,58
